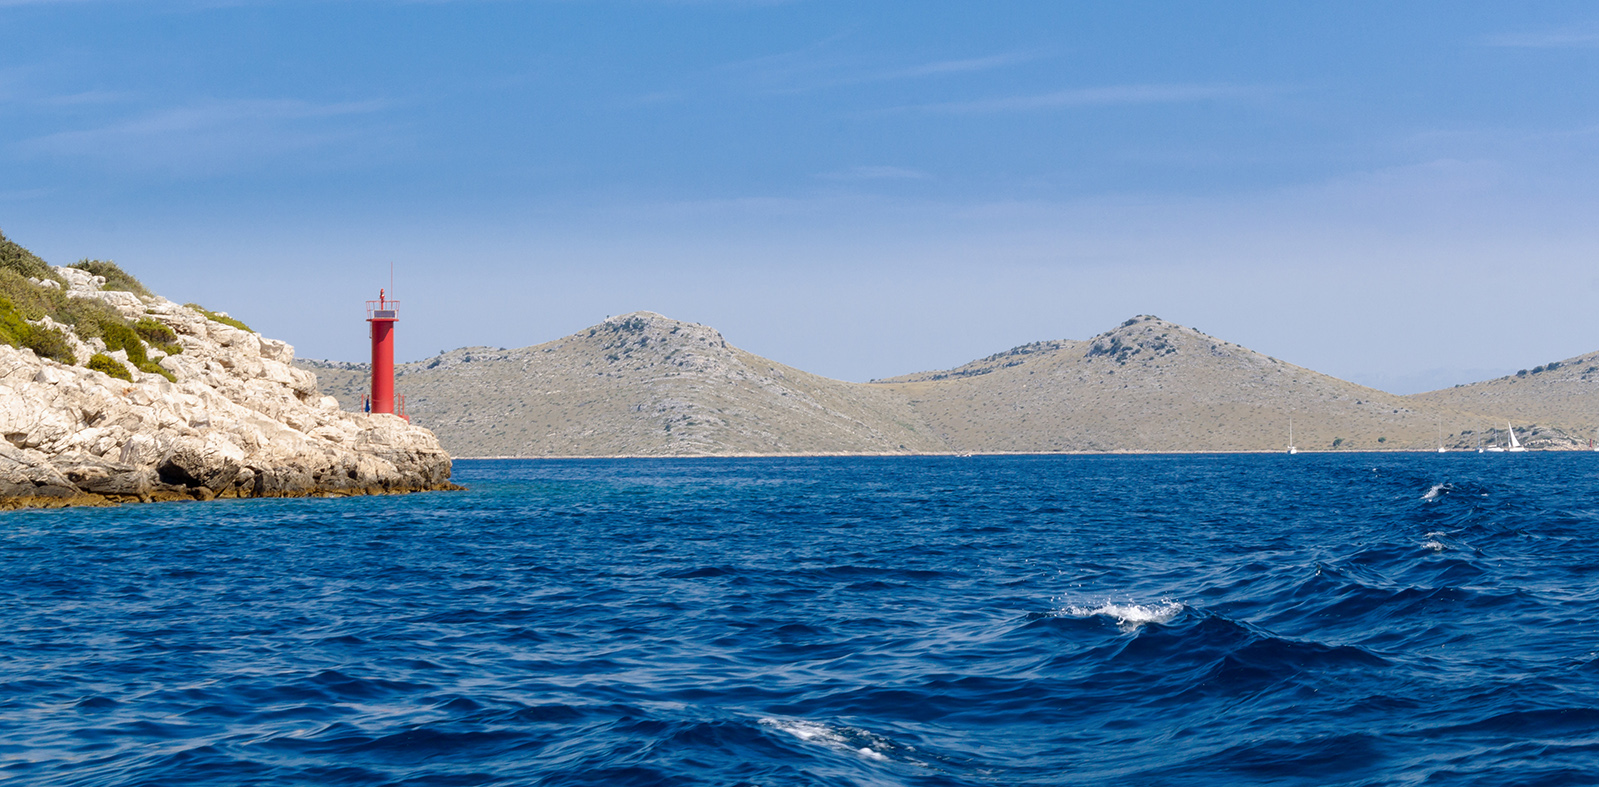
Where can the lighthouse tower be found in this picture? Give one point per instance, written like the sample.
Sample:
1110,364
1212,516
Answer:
381,316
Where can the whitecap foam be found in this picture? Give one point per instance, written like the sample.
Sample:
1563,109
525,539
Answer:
1436,546
1129,617
806,730
1437,491
838,738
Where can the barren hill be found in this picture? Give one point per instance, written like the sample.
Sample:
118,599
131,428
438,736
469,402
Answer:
645,384
1562,394
639,384
1152,385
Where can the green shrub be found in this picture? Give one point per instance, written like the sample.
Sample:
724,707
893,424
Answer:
152,367
154,332
115,277
12,325
18,260
101,362
87,316
29,299
121,336
158,335
49,343
214,317
44,342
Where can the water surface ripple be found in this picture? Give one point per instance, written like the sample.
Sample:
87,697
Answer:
1179,620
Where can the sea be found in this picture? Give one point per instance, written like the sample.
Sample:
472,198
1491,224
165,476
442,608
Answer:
1319,619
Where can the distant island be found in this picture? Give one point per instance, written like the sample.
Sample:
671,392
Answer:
110,393
646,385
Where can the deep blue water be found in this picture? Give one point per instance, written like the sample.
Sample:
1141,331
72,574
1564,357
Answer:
1192,620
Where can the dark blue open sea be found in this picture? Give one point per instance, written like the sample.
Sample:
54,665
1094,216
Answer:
1397,619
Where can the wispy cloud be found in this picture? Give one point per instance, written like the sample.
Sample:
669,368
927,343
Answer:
819,66
88,97
210,137
30,86
1110,95
1554,39
876,173
947,67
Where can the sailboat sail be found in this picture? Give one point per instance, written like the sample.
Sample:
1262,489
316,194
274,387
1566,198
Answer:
1514,444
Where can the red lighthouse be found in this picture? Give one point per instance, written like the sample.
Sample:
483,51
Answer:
381,316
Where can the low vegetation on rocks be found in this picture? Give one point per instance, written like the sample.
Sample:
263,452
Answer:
15,258
111,367
220,317
115,277
38,307
111,394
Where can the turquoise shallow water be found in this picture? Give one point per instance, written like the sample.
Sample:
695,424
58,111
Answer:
1183,620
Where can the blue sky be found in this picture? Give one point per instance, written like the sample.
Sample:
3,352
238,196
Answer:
1401,194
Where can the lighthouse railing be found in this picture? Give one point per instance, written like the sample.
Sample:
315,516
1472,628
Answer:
384,309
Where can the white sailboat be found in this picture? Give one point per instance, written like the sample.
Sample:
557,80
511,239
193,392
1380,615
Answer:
1441,448
1514,445
1291,448
1496,448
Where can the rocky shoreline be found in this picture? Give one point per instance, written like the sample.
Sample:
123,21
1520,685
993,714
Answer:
236,419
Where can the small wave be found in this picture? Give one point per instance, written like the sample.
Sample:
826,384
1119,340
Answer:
1129,617
1438,541
861,742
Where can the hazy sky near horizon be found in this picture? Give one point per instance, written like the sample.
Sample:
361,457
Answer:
1400,194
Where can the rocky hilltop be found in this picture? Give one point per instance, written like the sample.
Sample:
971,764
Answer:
201,407
639,384
1153,385
643,384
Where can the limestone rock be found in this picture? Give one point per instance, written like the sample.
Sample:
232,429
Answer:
239,421
28,474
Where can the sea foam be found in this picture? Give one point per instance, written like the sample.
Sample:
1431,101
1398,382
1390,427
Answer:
839,738
1128,617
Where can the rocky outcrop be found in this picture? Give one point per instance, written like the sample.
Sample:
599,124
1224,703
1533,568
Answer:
237,420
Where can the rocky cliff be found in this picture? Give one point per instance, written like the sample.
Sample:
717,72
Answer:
235,419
